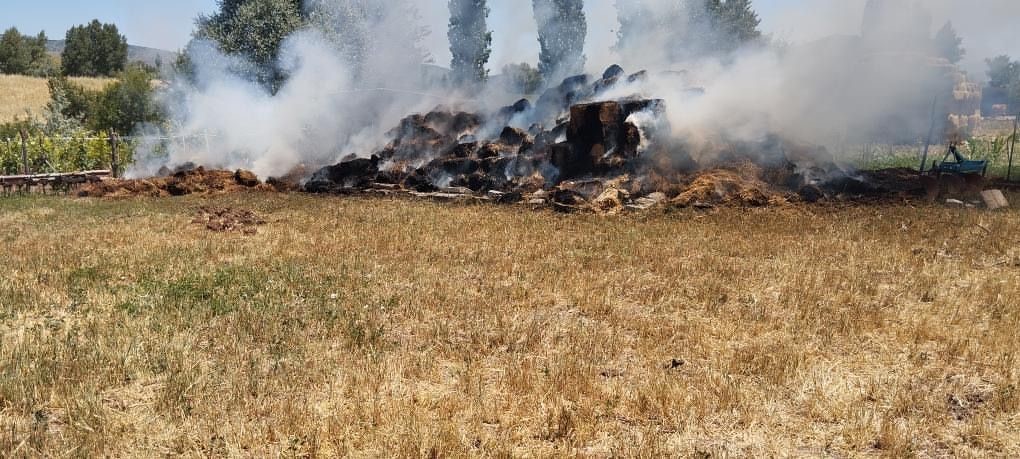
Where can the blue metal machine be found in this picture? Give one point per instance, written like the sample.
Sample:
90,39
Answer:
959,165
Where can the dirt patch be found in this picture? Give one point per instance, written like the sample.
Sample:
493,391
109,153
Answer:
226,219
195,181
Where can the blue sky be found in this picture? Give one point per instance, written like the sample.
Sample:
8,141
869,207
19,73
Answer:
157,23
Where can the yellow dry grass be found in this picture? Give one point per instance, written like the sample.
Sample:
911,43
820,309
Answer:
20,95
393,328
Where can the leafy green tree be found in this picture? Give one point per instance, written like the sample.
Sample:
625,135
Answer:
93,50
1002,72
126,103
692,28
255,30
15,57
949,45
72,101
732,23
562,28
23,55
119,107
470,40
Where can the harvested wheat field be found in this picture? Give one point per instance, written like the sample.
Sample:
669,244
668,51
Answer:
376,327
22,96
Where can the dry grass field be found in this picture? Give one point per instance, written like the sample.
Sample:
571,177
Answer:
22,94
394,328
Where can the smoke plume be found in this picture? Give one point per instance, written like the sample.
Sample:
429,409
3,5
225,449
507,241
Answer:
830,72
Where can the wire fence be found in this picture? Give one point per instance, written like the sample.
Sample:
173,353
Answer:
47,154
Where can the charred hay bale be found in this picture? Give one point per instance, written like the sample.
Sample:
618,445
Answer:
246,178
414,129
356,173
441,171
522,165
613,71
570,160
558,99
464,122
601,132
489,150
439,119
419,181
609,79
638,77
811,193
498,165
462,150
506,114
480,182
565,200
654,107
513,136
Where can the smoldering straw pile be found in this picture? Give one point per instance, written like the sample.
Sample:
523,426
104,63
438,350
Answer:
606,154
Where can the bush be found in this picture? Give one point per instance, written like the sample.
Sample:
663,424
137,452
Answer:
119,107
126,103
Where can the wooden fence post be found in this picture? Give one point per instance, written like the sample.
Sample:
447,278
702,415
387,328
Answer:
24,152
1012,147
113,154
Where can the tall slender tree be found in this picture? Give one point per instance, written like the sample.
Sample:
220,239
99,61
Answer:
562,29
470,40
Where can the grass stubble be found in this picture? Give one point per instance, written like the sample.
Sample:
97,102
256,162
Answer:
387,327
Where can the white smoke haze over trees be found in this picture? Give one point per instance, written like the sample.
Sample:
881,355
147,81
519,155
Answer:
562,29
346,74
823,71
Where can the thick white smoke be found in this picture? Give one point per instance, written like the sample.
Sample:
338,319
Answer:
343,92
826,84
856,75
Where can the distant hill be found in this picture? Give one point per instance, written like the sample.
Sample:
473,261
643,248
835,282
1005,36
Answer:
135,53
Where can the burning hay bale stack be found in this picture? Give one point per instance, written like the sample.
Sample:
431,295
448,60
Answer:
575,149
572,151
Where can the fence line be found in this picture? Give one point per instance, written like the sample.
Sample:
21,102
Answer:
127,138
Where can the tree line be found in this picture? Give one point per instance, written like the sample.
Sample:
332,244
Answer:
92,50
255,29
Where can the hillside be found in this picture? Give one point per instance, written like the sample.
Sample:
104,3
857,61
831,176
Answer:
22,94
135,53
